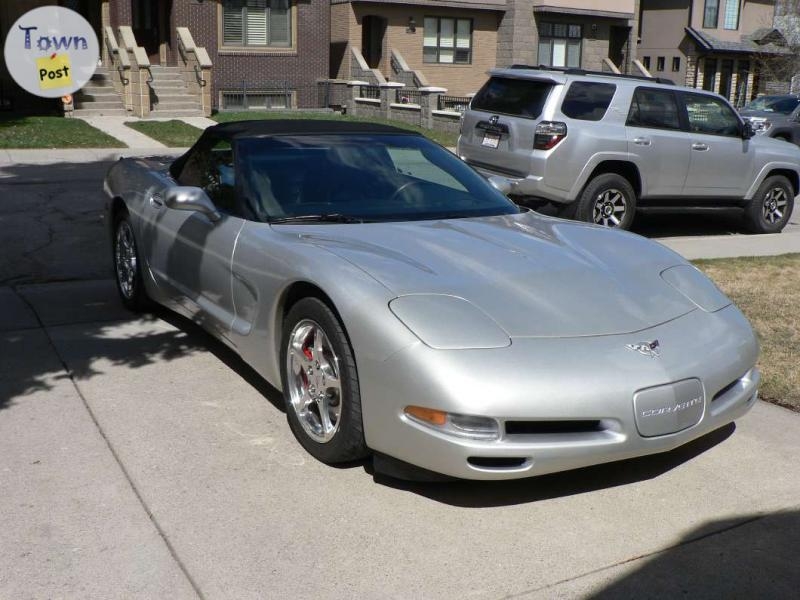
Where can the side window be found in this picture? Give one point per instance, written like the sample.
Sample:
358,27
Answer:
710,115
211,168
654,108
587,100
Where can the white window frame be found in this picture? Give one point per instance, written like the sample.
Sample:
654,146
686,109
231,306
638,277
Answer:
733,10
246,40
443,46
560,38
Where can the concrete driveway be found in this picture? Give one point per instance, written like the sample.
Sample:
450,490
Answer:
141,459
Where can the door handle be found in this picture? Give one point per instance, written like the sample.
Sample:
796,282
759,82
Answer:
699,146
156,201
642,141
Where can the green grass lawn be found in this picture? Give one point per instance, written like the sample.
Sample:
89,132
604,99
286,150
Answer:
175,134
52,132
766,289
441,137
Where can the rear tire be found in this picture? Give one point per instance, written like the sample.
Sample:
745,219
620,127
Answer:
771,208
320,384
607,200
128,266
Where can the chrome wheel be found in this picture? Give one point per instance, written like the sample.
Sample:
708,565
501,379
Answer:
774,205
315,389
609,208
125,259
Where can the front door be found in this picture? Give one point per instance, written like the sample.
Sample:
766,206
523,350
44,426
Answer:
721,163
151,28
373,30
190,255
618,47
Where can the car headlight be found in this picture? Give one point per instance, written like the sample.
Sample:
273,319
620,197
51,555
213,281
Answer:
760,125
448,322
698,288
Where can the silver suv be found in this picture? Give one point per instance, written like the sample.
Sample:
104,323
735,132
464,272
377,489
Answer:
599,146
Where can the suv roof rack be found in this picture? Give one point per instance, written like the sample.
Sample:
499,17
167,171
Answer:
575,71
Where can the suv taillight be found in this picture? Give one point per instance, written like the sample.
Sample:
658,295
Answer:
549,134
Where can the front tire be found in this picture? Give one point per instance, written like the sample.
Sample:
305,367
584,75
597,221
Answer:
320,384
771,207
607,200
128,267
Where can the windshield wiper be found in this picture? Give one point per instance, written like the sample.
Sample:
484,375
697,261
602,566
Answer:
323,218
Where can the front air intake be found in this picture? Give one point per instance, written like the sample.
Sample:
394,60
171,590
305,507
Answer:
551,427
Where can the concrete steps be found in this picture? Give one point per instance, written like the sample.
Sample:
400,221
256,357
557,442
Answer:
171,98
98,98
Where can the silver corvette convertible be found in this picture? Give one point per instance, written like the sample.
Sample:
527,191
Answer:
407,309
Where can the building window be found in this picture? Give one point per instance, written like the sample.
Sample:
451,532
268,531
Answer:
732,9
560,44
660,62
646,62
676,64
256,100
258,23
711,14
447,41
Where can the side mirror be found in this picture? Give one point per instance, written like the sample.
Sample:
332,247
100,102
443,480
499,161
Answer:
192,198
747,130
501,184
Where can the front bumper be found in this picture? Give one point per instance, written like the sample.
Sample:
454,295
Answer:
557,382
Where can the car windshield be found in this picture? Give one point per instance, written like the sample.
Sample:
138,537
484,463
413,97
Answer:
361,177
779,104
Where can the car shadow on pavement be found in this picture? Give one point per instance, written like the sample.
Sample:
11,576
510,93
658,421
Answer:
202,339
482,494
749,556
661,223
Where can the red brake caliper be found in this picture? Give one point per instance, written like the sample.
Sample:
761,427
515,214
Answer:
307,346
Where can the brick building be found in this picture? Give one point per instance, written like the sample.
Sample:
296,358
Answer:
590,34
717,45
273,46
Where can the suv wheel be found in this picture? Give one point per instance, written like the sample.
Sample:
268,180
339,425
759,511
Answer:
607,200
771,207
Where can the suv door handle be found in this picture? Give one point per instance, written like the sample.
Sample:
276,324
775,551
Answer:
699,146
641,141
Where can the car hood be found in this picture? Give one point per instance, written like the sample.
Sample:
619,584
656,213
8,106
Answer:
535,276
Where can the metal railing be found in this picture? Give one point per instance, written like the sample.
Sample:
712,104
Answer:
373,92
260,96
455,103
407,96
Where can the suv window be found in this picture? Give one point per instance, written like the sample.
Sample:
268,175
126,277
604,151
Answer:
654,108
710,115
516,97
587,100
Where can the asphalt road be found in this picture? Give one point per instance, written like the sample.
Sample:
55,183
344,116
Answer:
139,458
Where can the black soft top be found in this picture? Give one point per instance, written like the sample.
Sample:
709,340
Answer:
261,128
240,129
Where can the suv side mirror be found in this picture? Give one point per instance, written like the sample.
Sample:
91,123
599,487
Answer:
747,130
192,198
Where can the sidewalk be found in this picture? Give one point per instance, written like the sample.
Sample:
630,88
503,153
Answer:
116,128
